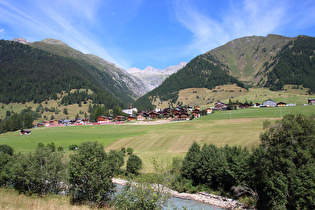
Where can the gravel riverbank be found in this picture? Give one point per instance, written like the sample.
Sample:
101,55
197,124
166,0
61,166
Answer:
201,196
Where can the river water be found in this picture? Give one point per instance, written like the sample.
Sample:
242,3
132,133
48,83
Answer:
179,203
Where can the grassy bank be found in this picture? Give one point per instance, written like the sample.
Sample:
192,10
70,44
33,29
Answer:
9,199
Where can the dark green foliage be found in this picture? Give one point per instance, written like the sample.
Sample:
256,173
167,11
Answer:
204,71
18,121
129,151
31,74
90,175
73,146
97,111
280,174
40,145
116,161
65,111
41,173
294,64
284,166
6,149
134,164
123,150
189,169
51,146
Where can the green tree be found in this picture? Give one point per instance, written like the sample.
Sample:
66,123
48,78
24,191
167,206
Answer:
6,149
283,168
129,151
117,111
134,164
41,173
116,161
123,150
90,175
189,169
65,111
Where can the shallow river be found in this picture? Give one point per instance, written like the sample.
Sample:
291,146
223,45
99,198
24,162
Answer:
179,203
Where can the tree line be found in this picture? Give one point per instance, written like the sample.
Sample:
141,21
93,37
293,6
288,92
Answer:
279,174
85,174
16,121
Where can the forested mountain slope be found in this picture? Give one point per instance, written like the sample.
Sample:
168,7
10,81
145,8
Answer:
31,74
271,61
294,64
204,71
125,82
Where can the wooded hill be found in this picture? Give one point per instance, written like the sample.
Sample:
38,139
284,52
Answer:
271,62
125,83
31,74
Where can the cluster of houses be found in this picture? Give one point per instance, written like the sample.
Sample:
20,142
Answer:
268,103
176,114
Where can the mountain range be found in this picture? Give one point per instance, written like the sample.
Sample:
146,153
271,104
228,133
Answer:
270,61
152,77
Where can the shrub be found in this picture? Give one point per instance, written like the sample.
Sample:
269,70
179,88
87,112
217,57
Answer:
134,164
129,151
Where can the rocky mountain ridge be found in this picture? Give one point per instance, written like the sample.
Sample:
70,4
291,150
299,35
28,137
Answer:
152,77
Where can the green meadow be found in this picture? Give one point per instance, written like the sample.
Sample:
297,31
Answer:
161,141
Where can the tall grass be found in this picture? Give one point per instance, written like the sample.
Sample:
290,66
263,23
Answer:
9,199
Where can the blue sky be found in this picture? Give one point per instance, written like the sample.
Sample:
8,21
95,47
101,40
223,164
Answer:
159,33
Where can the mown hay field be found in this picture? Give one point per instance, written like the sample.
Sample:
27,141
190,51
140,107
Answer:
161,141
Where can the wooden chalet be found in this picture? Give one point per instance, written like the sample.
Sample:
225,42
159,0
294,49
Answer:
101,119
40,125
153,115
141,117
53,122
220,105
119,118
281,104
208,110
311,101
25,132
244,105
196,113
256,104
197,107
131,118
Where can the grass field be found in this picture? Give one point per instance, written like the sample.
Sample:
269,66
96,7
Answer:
161,141
10,199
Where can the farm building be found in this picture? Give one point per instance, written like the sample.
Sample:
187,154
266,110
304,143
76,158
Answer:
220,105
102,119
311,101
269,103
281,104
25,132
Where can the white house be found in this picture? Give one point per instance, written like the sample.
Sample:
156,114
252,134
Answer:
269,103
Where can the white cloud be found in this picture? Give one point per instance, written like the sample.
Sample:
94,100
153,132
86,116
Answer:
241,18
1,30
70,21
